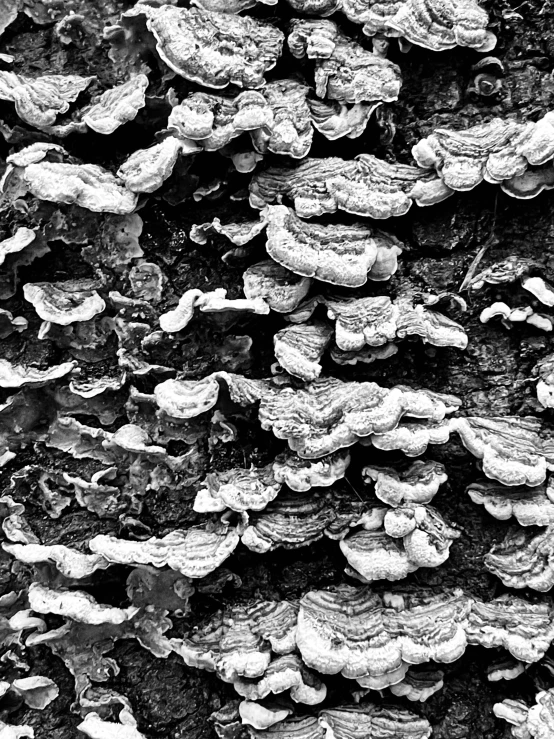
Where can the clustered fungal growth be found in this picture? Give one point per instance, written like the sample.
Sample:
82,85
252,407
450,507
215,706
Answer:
365,186
341,255
499,152
203,452
432,24
534,722
185,40
345,71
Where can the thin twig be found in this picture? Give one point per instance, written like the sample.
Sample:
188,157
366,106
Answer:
353,488
482,251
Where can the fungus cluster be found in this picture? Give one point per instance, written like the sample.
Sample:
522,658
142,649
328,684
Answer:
200,423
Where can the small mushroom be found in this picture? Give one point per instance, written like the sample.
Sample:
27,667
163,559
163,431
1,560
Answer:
488,77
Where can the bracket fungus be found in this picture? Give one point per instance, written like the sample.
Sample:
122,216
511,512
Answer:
238,643
505,668
529,506
213,121
277,117
525,628
372,639
299,349
364,186
540,289
285,673
182,399
139,383
544,370
511,449
76,605
239,233
230,6
535,722
345,71
328,414
531,183
238,490
18,376
355,721
64,303
341,255
194,553
292,521
211,302
281,289
432,24
96,727
187,398
412,537
16,243
147,169
412,438
379,320
366,355
69,562
509,316
335,120
373,555
321,8
86,185
262,716
497,151
376,721
186,40
39,101
117,105
419,684
419,483
507,270
37,691
217,302
301,475
291,131
524,559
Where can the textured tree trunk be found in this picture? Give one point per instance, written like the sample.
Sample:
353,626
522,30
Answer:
444,243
